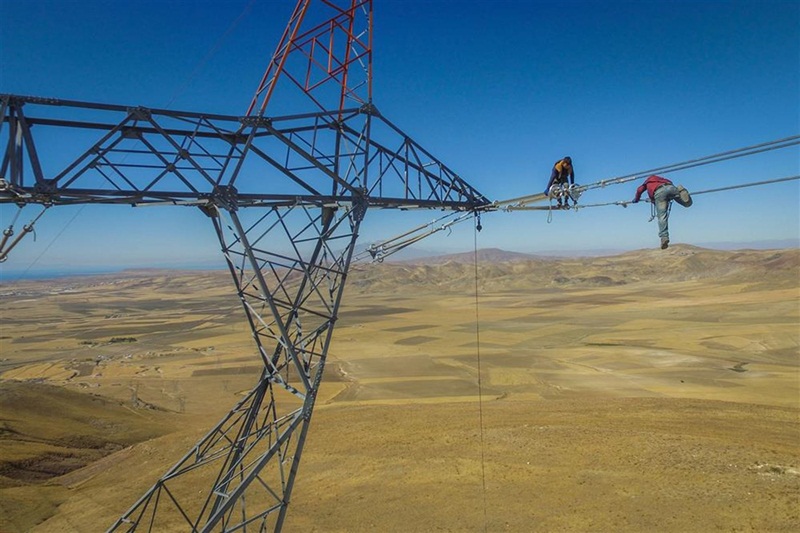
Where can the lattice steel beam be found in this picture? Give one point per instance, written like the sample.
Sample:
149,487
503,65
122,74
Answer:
286,196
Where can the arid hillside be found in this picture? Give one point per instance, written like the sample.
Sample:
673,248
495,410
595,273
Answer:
648,391
497,270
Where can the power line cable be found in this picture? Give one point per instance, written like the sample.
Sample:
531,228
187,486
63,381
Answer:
395,244
207,57
706,160
625,203
744,185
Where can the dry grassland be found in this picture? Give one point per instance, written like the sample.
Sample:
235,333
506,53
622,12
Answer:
651,391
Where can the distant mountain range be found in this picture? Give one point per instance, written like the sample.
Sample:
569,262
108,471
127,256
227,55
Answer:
502,270
414,254
418,257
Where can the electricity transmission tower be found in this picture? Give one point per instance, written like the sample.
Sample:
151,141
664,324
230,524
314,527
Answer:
286,196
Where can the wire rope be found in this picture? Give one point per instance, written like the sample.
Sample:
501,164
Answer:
480,382
714,158
624,203
395,244
744,185
207,57
516,203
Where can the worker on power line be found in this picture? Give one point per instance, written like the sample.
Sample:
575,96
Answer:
661,192
562,177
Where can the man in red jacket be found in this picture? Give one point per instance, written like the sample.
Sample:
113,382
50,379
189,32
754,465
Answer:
661,192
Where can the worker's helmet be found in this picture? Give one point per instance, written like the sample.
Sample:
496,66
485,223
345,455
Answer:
568,159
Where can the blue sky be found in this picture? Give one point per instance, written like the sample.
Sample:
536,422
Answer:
497,90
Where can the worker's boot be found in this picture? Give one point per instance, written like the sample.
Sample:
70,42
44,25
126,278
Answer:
684,198
664,243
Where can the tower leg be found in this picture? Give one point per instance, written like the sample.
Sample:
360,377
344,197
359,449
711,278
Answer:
245,467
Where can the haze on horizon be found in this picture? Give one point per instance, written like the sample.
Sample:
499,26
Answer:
493,89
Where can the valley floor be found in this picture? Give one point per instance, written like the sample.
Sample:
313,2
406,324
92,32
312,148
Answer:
600,402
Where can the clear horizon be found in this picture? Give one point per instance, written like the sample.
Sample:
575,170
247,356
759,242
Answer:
497,91
409,254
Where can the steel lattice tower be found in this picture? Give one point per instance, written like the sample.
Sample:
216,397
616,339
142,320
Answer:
286,196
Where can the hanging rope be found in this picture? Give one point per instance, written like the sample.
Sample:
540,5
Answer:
476,229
